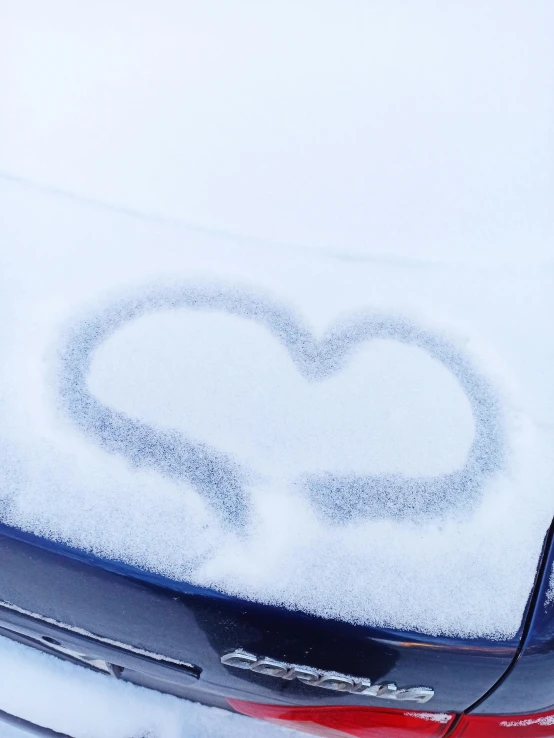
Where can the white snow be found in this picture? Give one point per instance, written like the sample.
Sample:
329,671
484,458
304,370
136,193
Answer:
547,720
549,597
261,268
433,717
73,700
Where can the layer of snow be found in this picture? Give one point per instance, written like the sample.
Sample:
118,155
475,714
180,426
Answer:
347,409
548,720
84,704
549,597
433,717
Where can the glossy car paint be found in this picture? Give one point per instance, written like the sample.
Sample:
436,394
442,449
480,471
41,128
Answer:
528,686
170,636
197,626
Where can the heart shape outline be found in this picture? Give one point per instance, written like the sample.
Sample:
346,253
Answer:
220,480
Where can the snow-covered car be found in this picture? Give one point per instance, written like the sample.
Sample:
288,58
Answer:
304,672
276,360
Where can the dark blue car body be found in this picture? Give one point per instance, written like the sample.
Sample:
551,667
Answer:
170,636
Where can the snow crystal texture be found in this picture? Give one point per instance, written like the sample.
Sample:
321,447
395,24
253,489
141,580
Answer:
280,324
218,477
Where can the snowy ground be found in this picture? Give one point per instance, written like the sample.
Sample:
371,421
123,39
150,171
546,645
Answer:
276,297
83,704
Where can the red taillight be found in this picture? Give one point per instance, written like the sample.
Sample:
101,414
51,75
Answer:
345,721
506,726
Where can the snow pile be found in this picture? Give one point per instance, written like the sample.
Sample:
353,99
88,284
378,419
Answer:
83,704
356,423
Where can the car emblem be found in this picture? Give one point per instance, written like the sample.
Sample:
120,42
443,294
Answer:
333,680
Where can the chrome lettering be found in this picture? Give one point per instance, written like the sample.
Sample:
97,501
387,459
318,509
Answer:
333,680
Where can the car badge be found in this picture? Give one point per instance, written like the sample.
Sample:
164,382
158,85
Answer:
333,680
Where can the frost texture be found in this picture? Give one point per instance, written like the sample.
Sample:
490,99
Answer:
433,717
242,426
219,477
549,598
548,720
354,463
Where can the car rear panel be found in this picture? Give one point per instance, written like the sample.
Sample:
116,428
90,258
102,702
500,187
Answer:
172,636
528,686
187,641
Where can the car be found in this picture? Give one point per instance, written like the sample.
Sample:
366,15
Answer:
288,556
302,671
276,405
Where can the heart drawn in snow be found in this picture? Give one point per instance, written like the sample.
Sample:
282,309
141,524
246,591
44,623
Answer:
220,479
